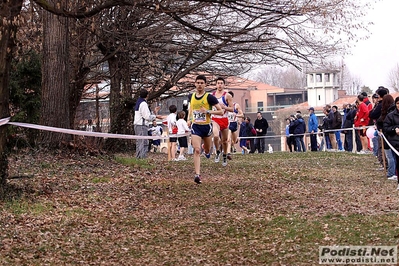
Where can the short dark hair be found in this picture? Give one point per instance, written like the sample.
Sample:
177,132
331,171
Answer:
200,77
172,108
222,79
382,91
143,93
364,93
231,93
249,119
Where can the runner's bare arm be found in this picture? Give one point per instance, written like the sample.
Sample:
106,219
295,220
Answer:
240,113
229,100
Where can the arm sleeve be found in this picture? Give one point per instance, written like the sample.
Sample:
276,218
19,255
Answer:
212,100
388,126
145,112
186,128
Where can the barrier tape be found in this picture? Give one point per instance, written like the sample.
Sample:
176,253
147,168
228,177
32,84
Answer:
5,121
389,144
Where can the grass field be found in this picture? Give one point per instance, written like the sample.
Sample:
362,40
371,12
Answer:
262,209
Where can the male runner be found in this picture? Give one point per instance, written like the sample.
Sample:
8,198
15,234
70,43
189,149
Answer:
233,125
199,117
221,122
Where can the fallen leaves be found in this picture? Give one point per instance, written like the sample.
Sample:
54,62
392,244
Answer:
261,209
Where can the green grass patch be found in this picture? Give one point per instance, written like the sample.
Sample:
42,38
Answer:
19,207
102,179
134,162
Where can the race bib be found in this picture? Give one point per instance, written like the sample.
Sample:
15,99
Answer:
199,117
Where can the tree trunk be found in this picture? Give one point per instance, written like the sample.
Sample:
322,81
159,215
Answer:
120,116
55,79
79,71
9,10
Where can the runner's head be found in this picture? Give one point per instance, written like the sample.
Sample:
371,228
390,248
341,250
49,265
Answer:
200,83
220,83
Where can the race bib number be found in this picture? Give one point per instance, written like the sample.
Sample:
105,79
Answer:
199,117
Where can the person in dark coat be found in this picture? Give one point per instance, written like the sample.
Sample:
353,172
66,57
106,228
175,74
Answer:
261,127
291,130
242,136
250,133
300,129
391,129
350,113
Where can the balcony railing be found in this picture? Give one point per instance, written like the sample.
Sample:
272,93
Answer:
254,109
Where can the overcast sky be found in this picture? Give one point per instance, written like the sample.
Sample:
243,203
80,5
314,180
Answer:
373,59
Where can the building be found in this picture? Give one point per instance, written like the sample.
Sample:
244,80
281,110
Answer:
257,96
322,87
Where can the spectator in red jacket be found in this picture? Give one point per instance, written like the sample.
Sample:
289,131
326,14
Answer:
361,121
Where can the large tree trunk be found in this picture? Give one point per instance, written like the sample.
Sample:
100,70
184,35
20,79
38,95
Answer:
120,115
79,71
9,10
55,78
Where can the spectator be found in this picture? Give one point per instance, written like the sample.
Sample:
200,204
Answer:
391,129
251,132
337,124
261,127
313,128
374,114
142,116
90,126
287,134
369,107
172,129
155,131
182,128
243,134
330,120
291,131
300,129
350,113
325,127
386,107
361,122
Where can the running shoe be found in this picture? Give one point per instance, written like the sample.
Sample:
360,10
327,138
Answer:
224,163
197,179
217,158
182,158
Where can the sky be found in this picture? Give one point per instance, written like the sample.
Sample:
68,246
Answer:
373,59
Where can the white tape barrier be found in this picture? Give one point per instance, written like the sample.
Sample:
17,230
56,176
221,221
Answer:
389,144
5,121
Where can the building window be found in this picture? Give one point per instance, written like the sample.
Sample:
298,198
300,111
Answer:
318,77
260,106
319,98
327,77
